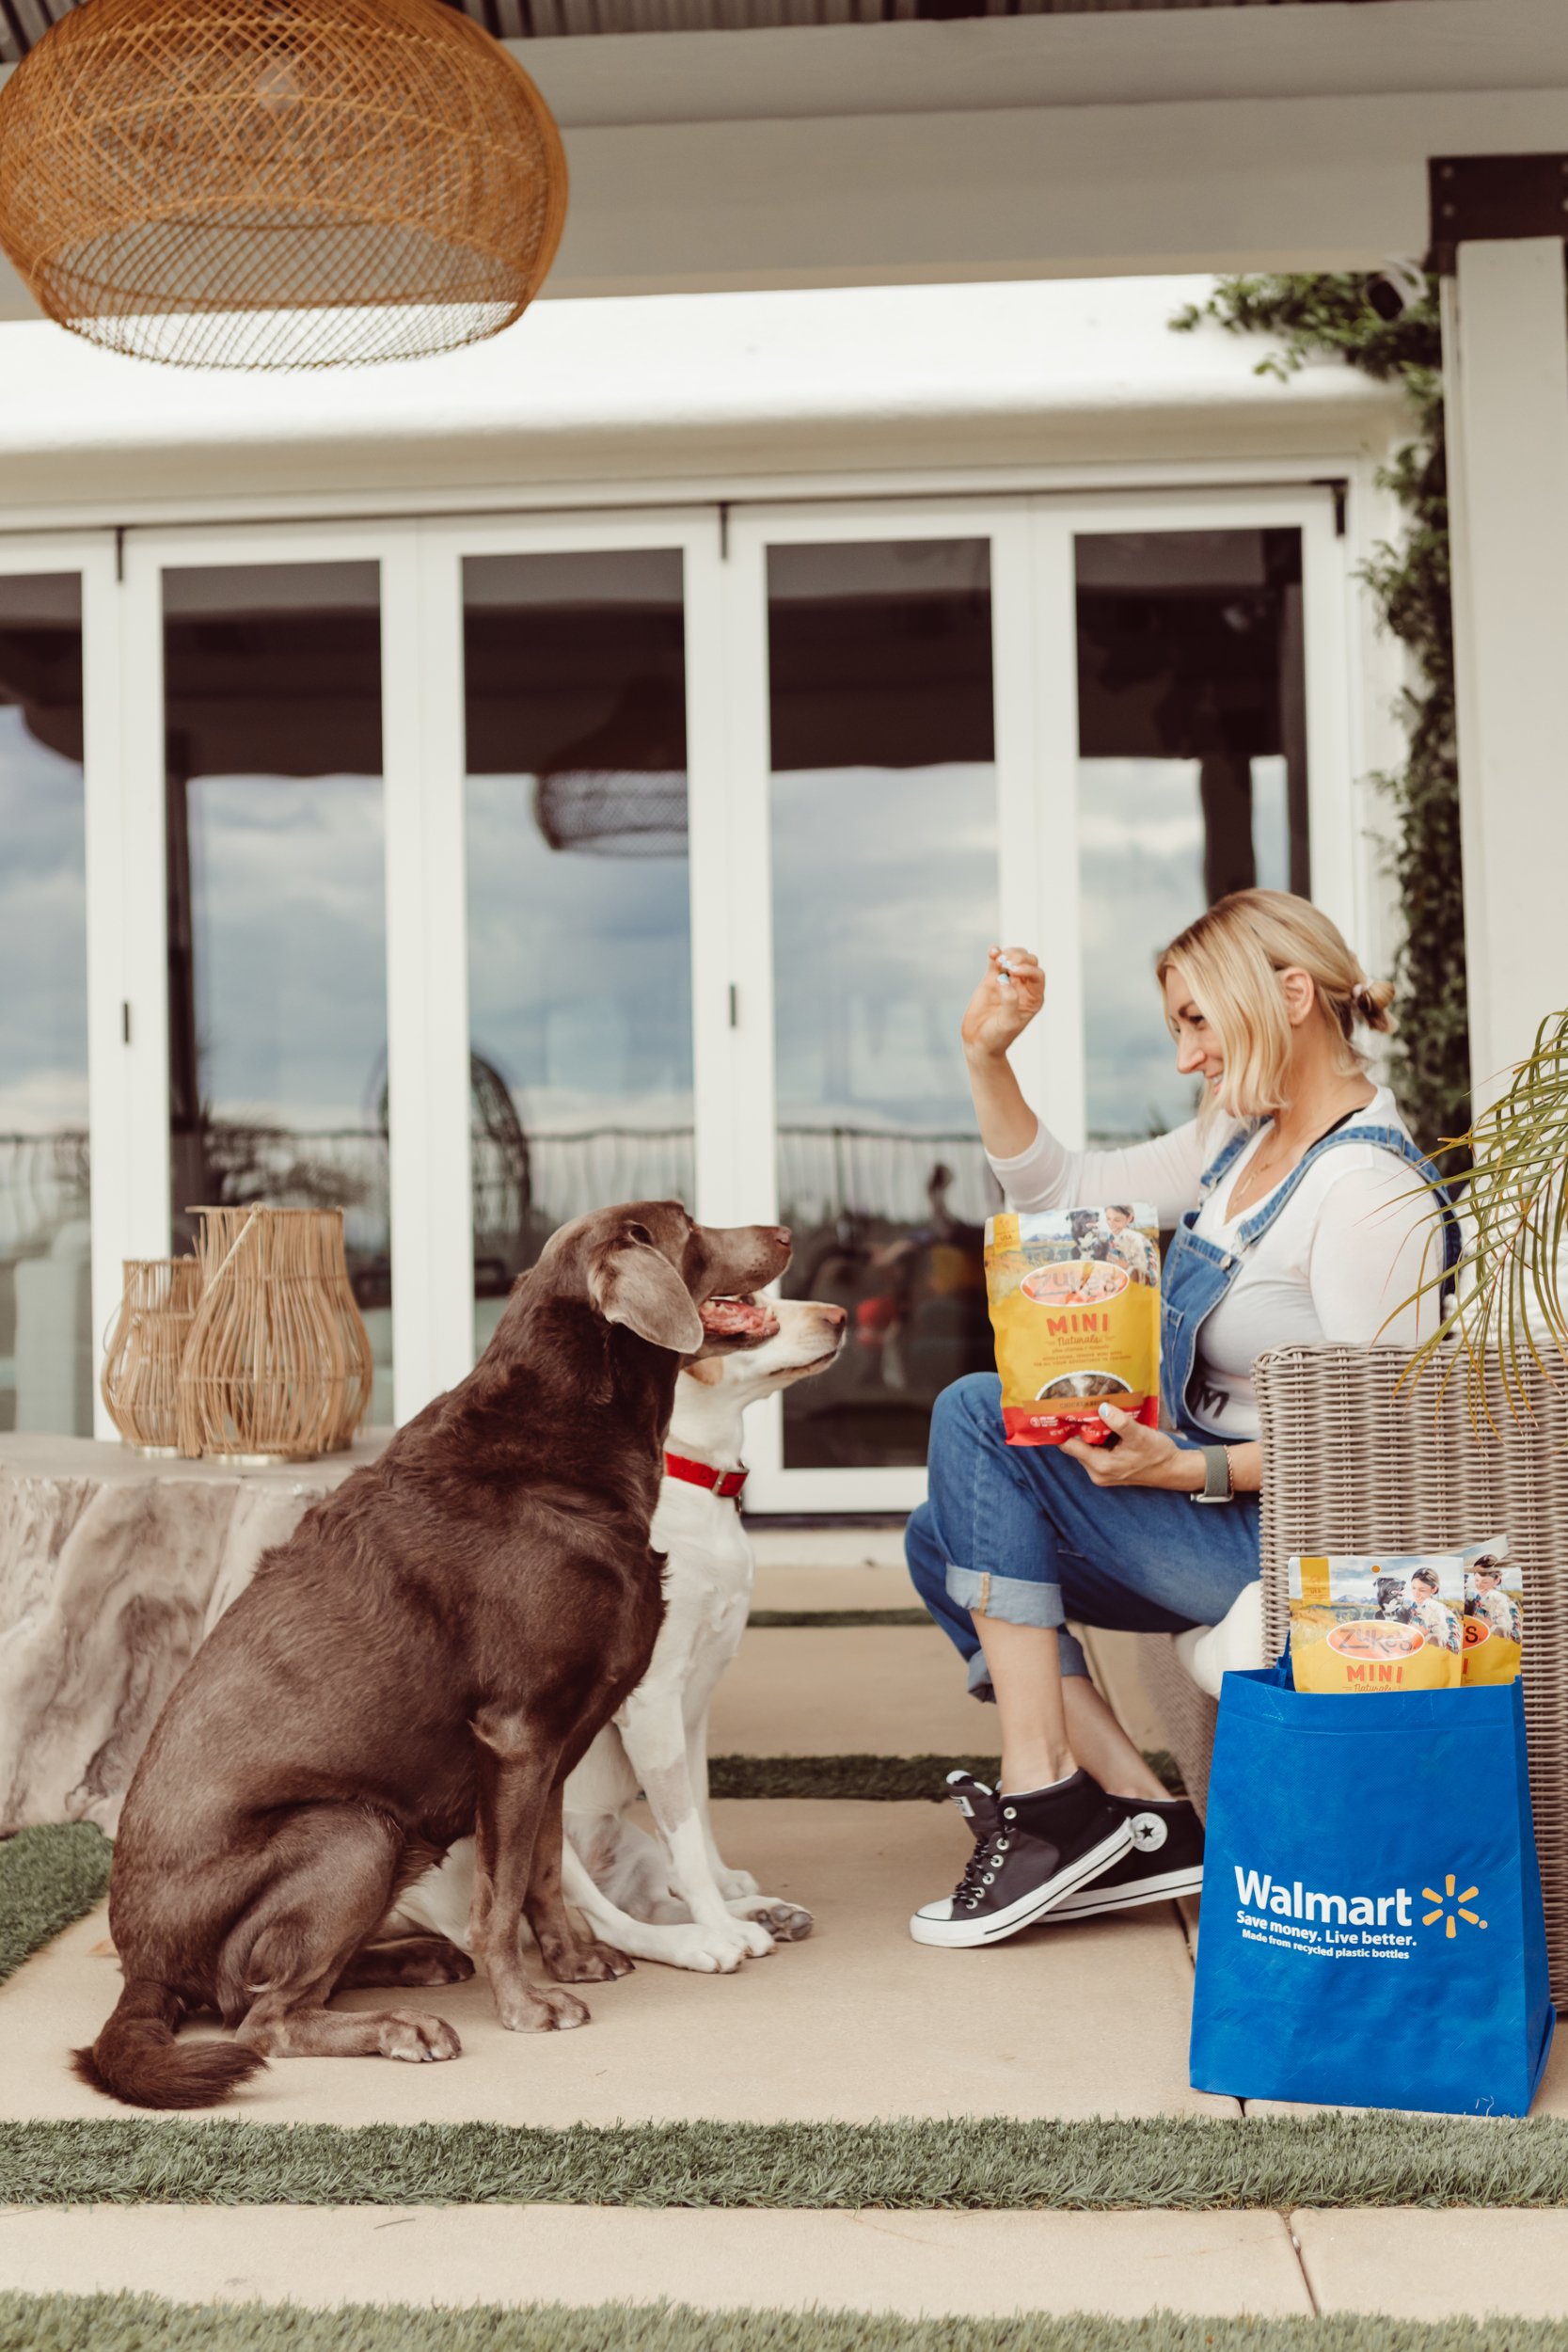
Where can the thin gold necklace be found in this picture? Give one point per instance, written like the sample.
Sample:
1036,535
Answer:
1262,1165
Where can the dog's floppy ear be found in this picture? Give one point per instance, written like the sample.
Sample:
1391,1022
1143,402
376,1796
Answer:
630,1281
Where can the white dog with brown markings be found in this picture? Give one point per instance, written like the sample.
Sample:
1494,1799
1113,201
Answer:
671,1897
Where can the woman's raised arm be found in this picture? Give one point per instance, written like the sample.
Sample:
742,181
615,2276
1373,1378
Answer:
1000,1010
1034,1170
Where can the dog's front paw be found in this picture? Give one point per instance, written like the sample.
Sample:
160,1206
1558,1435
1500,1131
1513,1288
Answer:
787,1923
538,2008
735,1885
589,1964
712,1951
409,2034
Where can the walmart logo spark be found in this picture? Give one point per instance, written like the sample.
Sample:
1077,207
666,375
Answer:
1449,1918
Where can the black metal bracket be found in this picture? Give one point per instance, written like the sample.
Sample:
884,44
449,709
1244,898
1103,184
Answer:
1475,199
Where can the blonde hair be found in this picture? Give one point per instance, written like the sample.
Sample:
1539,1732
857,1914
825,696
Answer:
1230,960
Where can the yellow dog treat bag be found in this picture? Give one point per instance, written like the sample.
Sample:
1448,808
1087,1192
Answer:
1359,1625
1076,1306
1494,1613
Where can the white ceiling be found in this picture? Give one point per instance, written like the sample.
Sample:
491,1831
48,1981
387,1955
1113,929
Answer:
25,22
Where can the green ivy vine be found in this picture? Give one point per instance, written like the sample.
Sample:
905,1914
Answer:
1333,312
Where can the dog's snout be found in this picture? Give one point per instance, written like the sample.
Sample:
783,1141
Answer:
782,1234
834,1317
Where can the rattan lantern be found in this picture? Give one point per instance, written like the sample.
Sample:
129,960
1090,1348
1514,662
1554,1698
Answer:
141,1364
277,184
358,1357
264,1372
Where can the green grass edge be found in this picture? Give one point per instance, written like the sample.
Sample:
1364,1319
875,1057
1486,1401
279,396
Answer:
138,2323
48,1878
972,2164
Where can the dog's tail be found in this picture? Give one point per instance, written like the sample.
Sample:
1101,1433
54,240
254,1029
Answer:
138,2059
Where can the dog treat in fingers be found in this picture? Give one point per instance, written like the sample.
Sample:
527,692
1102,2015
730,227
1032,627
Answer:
1075,1308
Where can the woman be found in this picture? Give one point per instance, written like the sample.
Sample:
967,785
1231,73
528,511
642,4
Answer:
1300,1213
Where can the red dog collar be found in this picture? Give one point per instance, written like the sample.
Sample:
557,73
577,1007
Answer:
725,1484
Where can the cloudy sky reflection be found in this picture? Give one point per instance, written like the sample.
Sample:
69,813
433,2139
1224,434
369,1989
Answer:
43,978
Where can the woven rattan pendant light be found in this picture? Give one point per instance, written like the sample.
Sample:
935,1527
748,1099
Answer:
277,184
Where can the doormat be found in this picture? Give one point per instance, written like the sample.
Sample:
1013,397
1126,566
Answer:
813,1620
970,2164
881,1779
133,2323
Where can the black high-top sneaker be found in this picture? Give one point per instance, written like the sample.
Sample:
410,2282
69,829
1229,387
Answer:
1164,1860
1030,1853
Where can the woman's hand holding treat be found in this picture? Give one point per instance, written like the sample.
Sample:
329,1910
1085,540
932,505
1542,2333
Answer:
1140,1457
1151,1458
1001,1009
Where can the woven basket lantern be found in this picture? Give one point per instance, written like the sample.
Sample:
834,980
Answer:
358,1360
265,1372
277,184
141,1366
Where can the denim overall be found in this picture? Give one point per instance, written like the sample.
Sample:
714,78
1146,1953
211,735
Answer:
1198,1273
1020,1531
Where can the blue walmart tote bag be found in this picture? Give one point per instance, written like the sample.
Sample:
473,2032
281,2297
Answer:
1372,1932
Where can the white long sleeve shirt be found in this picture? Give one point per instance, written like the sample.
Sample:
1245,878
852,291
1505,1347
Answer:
1342,1260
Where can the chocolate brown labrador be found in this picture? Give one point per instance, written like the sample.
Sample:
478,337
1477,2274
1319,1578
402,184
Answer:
429,1655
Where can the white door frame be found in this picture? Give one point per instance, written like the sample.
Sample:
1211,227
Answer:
1340,870
115,1062
413,947
1005,523
446,1215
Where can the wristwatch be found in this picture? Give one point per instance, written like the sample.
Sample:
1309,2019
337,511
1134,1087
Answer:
1216,1476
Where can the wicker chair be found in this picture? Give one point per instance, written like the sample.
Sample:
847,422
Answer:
1348,1465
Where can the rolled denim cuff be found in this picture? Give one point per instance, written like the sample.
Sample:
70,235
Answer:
1016,1601
1013,1599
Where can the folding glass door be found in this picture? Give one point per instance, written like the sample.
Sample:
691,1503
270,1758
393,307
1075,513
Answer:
478,872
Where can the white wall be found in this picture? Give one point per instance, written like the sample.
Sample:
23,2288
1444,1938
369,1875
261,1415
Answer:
700,394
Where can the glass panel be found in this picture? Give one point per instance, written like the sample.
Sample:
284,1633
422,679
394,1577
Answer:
579,954
884,896
276,912
1192,776
46,1338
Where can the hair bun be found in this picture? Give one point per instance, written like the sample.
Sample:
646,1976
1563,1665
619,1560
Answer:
1371,1000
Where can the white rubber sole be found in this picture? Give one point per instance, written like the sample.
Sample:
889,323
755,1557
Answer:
1092,1900
969,1933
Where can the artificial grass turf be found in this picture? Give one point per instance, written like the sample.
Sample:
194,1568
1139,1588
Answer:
48,1877
144,2323
973,2164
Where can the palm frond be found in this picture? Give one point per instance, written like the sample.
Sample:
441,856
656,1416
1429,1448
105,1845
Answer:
1510,1304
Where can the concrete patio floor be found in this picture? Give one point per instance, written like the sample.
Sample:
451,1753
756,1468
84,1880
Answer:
853,2025
856,2023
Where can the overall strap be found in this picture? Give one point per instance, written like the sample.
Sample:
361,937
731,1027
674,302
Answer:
1229,1154
1387,1139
